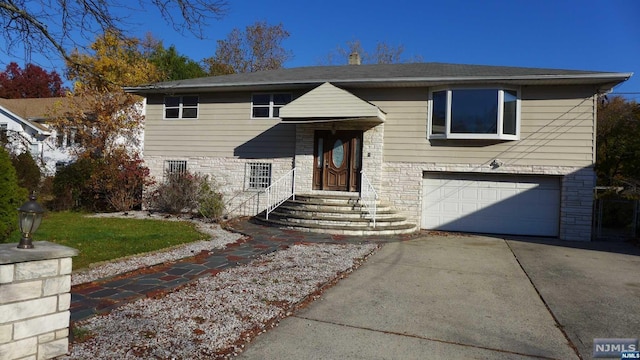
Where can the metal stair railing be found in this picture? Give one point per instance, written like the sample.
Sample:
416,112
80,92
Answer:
247,207
280,191
368,197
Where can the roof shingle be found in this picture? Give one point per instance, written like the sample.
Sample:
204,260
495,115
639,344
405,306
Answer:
381,74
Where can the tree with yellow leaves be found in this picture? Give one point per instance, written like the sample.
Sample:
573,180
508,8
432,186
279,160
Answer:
100,114
106,123
115,62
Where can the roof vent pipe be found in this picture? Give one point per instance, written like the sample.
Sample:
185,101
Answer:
354,58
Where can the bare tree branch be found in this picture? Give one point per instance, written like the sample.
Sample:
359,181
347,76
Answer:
54,27
258,47
384,53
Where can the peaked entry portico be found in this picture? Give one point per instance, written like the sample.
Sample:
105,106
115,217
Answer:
336,123
337,160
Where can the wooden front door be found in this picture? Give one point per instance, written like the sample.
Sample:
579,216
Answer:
337,160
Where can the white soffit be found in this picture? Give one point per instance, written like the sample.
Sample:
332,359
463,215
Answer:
329,103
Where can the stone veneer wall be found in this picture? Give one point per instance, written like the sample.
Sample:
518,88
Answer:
402,187
228,174
35,297
371,151
576,205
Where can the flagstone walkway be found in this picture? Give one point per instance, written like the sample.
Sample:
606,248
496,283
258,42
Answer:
102,296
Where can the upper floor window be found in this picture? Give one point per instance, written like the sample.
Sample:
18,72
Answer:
4,131
474,114
68,139
181,107
268,105
60,139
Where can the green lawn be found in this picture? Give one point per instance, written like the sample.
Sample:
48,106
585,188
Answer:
102,239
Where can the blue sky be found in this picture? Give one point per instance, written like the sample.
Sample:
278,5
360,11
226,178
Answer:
583,35
564,34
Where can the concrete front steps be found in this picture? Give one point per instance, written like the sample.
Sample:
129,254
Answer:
336,214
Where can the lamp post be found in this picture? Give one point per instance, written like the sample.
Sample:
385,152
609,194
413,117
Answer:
30,217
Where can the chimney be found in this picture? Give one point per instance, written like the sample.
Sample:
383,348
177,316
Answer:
354,58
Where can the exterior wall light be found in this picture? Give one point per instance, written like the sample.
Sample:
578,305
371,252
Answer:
29,219
496,164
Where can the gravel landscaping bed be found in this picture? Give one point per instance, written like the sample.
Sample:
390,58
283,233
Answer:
215,316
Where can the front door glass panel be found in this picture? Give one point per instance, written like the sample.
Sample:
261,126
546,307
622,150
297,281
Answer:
338,154
320,153
358,152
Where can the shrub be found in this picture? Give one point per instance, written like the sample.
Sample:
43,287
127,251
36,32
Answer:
188,193
70,186
114,182
11,196
118,181
177,194
27,171
210,201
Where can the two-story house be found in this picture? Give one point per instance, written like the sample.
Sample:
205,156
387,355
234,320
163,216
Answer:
489,149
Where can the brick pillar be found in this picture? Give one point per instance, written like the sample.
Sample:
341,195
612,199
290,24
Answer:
35,296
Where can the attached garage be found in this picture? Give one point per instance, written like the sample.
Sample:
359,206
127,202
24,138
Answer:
495,204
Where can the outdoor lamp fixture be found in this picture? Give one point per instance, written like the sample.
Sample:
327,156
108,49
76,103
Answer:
30,217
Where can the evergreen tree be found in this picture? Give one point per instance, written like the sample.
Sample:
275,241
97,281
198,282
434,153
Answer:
27,171
11,196
174,66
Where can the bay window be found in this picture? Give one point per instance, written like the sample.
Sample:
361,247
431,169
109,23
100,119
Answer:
474,113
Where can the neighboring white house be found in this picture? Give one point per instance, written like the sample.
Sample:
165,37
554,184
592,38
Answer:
473,148
24,123
23,126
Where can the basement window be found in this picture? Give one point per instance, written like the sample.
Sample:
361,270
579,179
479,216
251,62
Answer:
257,176
175,167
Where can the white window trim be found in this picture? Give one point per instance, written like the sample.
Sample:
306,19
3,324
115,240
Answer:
180,107
271,104
469,136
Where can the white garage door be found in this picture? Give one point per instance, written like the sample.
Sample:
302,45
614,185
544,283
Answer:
496,204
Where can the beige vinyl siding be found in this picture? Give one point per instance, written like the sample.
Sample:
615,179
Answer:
224,128
328,101
557,129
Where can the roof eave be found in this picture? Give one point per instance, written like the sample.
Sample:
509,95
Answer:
23,121
606,79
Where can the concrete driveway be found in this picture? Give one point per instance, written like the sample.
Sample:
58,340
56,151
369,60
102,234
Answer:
472,297
592,289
